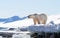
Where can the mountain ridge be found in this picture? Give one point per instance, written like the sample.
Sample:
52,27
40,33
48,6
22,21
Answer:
11,19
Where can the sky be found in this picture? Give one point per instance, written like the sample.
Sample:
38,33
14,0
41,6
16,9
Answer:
21,8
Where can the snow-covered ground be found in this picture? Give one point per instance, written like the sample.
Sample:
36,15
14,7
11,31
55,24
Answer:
54,18
20,23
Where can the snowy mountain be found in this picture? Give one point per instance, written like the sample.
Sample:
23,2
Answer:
15,22
11,19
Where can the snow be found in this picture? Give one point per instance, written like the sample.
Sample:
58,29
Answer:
54,18
21,23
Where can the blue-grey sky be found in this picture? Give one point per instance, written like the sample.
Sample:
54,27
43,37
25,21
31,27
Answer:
25,7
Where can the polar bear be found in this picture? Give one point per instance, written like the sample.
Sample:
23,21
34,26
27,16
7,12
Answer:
38,18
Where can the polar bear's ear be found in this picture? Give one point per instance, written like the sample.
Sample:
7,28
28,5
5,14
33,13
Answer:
35,14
